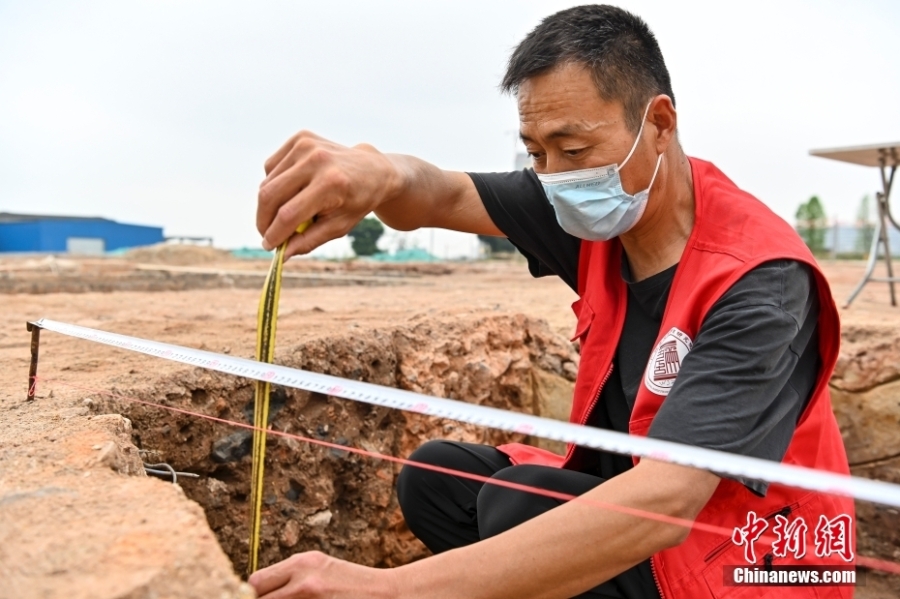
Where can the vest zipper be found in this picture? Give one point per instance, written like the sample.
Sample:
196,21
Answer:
587,413
591,407
656,578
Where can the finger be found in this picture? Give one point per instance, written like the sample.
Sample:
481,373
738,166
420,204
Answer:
270,579
275,159
305,144
279,191
289,183
301,150
317,198
320,232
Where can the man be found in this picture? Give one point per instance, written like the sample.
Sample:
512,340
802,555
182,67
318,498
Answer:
703,320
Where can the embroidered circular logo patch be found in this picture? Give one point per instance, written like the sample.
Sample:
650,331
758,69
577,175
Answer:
665,361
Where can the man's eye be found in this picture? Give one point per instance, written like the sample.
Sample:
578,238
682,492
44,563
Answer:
573,152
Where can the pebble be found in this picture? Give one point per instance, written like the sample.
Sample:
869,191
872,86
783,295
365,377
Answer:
320,519
290,534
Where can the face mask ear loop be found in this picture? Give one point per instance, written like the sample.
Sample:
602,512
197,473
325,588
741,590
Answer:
656,170
636,139
643,206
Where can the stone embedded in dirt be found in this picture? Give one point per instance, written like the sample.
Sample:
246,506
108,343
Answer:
109,455
320,519
277,398
218,492
870,356
116,454
290,535
233,447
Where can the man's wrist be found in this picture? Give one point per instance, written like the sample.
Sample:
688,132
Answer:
400,178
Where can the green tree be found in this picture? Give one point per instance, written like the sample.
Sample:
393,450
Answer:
864,226
365,235
497,245
812,224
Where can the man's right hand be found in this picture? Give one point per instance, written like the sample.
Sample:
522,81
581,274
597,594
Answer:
311,177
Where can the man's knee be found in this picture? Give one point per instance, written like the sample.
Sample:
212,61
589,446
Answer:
412,480
501,508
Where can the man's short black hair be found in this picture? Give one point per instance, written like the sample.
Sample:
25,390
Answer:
617,46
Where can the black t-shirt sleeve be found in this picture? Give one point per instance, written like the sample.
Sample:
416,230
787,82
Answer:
517,204
751,370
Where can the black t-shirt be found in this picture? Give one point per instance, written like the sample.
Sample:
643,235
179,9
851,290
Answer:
751,369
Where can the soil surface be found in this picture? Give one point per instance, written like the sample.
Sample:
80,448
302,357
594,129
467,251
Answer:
77,516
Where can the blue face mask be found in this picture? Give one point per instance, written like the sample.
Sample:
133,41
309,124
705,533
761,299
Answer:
591,204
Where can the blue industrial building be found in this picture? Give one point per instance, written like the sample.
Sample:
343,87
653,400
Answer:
72,234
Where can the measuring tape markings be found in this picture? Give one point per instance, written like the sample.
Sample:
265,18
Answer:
606,440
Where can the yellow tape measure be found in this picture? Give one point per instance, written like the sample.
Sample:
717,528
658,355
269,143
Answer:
266,320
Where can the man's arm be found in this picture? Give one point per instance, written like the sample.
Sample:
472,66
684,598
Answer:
311,177
556,555
753,366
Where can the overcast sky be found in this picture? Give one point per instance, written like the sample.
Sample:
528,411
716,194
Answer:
162,112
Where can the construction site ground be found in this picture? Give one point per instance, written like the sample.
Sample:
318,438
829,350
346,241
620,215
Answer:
77,516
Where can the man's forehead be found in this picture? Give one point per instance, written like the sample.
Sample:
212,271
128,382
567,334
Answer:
564,102
575,122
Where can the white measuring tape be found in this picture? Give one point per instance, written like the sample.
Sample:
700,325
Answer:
666,451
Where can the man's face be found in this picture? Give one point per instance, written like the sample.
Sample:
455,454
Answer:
567,126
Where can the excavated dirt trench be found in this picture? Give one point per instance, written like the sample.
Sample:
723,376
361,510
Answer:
319,498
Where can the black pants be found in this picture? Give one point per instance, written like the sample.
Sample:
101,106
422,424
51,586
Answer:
446,512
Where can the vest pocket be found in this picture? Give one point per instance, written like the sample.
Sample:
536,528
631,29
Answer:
728,553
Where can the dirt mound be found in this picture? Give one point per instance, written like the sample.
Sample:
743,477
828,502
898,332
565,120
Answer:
325,499
178,254
79,519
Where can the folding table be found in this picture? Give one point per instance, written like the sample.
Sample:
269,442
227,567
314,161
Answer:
886,157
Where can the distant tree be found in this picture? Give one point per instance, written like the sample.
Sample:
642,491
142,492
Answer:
365,235
497,245
812,224
864,226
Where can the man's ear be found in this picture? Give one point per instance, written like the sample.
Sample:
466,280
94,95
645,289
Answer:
664,117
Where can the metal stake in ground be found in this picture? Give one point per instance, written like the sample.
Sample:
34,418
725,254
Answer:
35,331
266,320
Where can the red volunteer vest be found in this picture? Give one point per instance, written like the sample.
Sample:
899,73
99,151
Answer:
733,233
